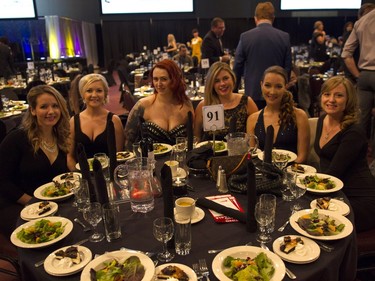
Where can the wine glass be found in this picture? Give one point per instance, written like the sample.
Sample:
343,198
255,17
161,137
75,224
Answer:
263,215
73,182
298,190
163,230
93,215
121,178
280,160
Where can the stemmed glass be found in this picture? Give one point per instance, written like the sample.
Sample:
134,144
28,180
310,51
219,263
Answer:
298,190
121,178
263,215
73,182
93,215
163,230
280,160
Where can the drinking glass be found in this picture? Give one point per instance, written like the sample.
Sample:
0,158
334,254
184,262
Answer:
93,215
263,216
163,230
269,201
280,160
121,178
104,161
73,182
298,190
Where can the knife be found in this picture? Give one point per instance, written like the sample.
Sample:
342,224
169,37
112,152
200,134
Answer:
39,263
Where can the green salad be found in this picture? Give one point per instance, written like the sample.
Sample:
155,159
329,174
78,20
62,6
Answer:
57,189
219,145
315,182
258,269
130,269
40,232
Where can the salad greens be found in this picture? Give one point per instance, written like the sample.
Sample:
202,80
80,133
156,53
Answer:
40,232
314,182
57,189
257,269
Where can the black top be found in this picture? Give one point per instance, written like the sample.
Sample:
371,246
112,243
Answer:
344,157
22,171
318,51
99,144
286,137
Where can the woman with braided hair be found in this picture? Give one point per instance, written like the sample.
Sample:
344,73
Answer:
290,124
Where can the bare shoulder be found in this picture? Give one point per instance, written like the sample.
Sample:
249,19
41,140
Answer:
300,113
254,116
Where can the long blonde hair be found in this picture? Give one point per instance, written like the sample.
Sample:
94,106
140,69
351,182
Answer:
30,123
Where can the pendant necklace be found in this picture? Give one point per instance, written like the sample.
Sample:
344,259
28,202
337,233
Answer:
328,133
51,148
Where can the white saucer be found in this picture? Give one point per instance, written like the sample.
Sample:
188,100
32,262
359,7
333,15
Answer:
198,215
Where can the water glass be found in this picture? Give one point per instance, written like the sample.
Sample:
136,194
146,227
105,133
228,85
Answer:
269,201
263,216
111,217
121,178
288,178
104,161
298,190
163,230
82,195
137,150
93,215
182,237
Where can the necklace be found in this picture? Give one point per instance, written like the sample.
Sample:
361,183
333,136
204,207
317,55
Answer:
329,132
49,147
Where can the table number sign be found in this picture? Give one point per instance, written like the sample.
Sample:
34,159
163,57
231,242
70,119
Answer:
205,63
213,117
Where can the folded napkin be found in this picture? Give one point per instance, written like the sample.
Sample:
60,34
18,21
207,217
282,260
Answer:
197,158
189,131
267,154
166,185
209,204
232,124
100,183
251,224
111,143
85,169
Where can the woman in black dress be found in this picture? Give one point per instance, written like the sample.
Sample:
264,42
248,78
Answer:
342,146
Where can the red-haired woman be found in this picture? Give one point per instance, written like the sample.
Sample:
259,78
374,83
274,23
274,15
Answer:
165,112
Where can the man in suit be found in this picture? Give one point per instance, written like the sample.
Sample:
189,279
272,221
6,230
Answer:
212,47
259,48
6,59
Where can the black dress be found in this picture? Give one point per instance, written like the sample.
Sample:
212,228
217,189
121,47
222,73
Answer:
286,137
344,157
159,135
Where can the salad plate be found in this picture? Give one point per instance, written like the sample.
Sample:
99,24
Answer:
221,146
161,148
66,223
309,252
67,176
122,156
98,263
56,267
339,219
243,252
90,161
334,206
338,184
31,212
189,272
39,193
292,155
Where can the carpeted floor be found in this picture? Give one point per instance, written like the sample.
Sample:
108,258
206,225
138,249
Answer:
113,104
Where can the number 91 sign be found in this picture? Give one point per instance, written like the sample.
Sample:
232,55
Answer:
213,117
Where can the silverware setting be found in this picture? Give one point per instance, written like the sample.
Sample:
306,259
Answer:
85,228
204,269
41,262
197,271
325,247
290,274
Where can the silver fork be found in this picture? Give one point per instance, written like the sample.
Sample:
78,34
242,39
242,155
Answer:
203,268
197,271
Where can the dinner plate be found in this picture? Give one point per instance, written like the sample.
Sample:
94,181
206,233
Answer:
334,206
189,272
55,267
339,184
38,193
63,177
17,242
30,212
121,255
244,252
90,161
198,215
308,169
216,151
337,217
291,154
168,146
308,253
121,158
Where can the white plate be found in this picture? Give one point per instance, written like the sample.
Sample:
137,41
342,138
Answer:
334,206
68,228
198,215
308,169
61,178
190,273
30,211
38,193
90,160
337,217
97,263
339,184
291,154
52,266
243,252
256,152
169,148
121,159
312,250
216,151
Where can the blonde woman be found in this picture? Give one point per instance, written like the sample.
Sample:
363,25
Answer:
172,45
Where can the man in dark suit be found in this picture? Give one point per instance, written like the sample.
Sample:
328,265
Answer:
212,47
259,48
6,58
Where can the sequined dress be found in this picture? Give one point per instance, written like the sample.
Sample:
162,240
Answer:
159,135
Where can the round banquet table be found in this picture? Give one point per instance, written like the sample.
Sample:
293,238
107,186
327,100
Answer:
339,264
